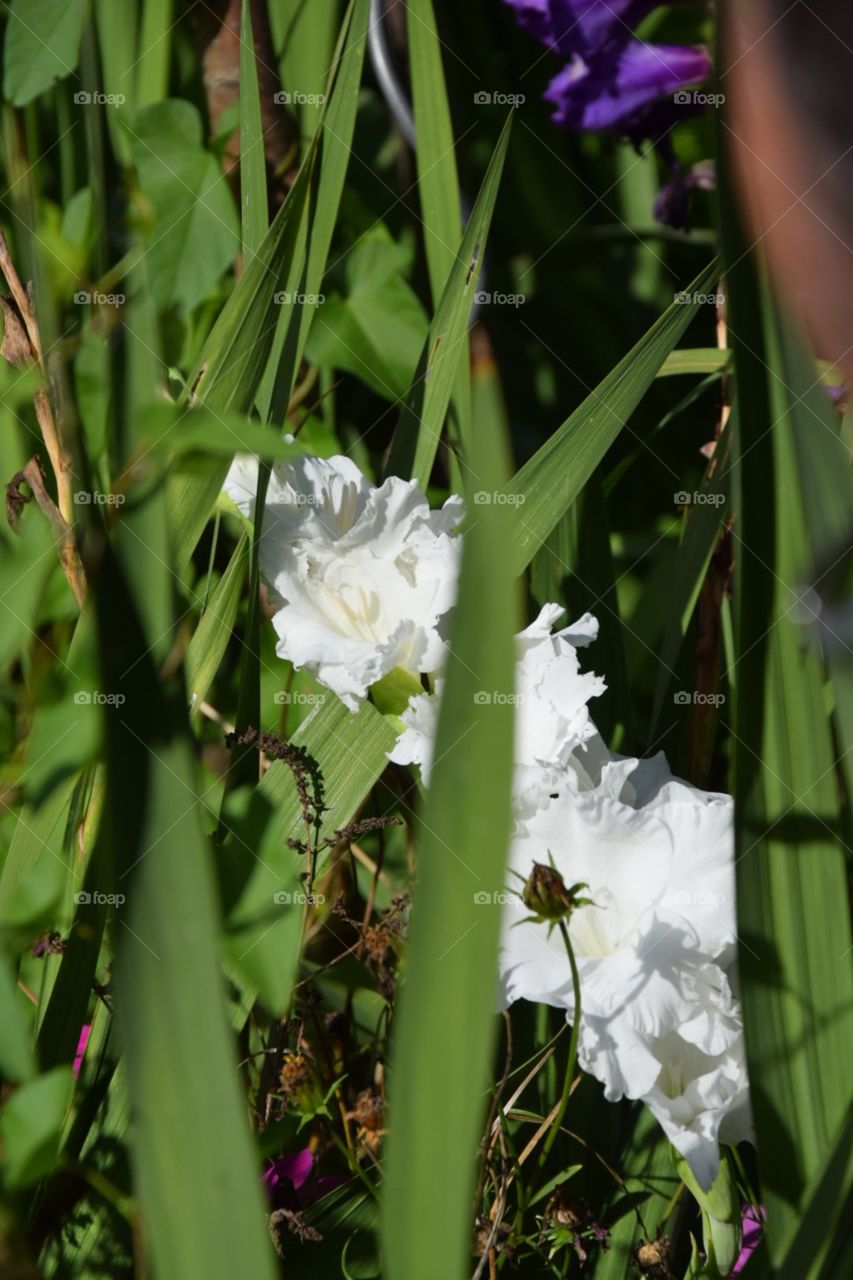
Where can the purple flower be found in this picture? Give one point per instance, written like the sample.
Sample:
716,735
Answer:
615,87
83,1040
673,199
580,26
611,79
753,1228
291,1184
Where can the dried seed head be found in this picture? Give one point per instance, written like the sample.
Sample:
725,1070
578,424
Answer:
652,1257
379,943
299,1084
369,1110
567,1211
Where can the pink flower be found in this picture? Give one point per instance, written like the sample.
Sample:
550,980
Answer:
291,1184
753,1229
85,1032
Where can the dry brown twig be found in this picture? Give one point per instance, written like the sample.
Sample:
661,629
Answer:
22,347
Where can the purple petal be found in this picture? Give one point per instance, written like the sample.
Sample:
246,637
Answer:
673,200
295,1169
610,89
580,26
85,1032
753,1229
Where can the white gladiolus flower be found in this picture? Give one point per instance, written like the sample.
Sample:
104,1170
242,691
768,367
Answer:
363,576
700,1100
551,720
657,1010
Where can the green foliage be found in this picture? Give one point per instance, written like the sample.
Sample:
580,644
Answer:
42,45
269,934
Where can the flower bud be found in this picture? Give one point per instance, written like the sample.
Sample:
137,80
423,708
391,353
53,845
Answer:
546,895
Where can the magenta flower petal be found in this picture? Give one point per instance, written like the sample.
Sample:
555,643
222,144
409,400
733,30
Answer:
85,1032
613,87
295,1169
753,1229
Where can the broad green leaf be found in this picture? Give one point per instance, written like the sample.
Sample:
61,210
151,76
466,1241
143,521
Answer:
42,45
195,233
30,1124
793,918
418,431
826,1216
167,429
16,1058
376,329
548,484
37,865
445,1020
27,559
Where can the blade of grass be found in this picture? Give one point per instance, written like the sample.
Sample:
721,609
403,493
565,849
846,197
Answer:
213,632
155,47
435,154
418,431
446,1019
231,368
438,180
195,1168
551,480
253,174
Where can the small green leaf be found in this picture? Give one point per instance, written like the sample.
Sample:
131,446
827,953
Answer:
195,233
30,1125
42,45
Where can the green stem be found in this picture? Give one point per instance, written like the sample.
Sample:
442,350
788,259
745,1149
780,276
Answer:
573,1050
